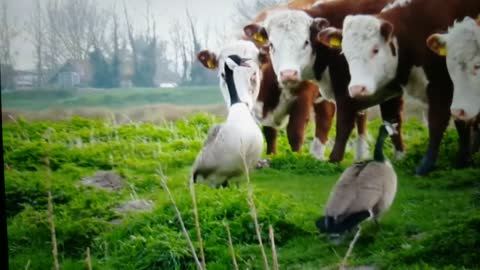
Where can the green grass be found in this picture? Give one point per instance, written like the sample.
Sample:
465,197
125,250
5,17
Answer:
434,222
34,100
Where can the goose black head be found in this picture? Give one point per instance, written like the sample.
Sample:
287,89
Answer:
386,129
233,61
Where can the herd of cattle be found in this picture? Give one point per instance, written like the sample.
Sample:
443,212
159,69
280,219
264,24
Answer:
343,57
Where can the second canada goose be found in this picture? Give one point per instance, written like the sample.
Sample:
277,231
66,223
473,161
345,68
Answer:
364,190
236,140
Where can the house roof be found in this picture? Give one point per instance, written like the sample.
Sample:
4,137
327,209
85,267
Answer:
82,67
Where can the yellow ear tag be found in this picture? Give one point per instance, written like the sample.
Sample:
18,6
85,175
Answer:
259,38
335,42
211,64
442,51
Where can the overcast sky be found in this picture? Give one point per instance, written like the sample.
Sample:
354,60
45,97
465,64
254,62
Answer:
214,12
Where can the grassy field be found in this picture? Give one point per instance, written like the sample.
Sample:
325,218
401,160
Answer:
434,222
35,100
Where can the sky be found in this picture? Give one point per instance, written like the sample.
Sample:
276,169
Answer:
216,13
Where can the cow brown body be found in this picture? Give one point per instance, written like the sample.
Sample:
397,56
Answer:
413,23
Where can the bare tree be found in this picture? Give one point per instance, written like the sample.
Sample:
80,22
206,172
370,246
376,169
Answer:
77,26
35,27
7,34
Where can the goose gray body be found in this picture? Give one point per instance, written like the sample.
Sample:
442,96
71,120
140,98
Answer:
369,186
237,140
221,156
364,190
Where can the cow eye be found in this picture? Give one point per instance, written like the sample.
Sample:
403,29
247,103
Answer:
306,44
375,50
476,66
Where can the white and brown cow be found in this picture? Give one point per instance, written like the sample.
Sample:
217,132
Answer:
273,108
383,51
461,46
290,36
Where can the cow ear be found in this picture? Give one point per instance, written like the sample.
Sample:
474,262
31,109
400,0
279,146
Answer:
256,33
319,24
208,59
478,20
437,44
330,37
386,30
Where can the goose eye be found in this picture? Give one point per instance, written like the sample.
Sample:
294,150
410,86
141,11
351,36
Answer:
272,48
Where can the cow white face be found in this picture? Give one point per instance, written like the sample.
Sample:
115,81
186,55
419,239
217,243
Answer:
371,52
287,34
250,76
461,45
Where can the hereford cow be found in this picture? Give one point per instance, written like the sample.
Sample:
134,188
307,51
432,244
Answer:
461,46
275,108
387,49
290,36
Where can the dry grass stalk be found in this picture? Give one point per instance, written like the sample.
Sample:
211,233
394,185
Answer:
27,266
274,251
343,265
52,232
253,210
51,217
163,182
230,245
197,223
88,259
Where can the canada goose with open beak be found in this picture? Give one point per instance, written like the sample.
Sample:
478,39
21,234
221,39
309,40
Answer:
365,190
239,138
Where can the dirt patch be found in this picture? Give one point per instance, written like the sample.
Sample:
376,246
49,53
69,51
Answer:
107,180
155,113
134,206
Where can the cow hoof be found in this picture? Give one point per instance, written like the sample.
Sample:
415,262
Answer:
263,163
462,162
361,149
317,149
423,170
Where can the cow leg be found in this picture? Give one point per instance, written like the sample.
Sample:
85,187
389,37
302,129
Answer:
344,125
476,136
361,149
270,134
391,111
438,117
298,119
324,112
464,131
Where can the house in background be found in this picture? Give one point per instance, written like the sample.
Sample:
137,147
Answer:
25,79
73,74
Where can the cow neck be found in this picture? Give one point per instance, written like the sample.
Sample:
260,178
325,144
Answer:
232,89
412,43
270,91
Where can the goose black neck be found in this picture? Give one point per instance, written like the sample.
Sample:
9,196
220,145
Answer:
232,89
378,152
